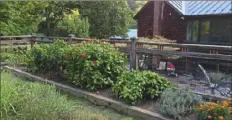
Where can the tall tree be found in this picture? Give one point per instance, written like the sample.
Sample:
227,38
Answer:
74,24
53,12
108,18
19,17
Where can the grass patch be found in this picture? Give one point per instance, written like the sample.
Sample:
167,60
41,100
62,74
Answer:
23,100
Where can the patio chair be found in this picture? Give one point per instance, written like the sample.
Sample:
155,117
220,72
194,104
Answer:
224,88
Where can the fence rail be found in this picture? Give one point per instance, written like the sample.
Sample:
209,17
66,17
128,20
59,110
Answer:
182,55
217,52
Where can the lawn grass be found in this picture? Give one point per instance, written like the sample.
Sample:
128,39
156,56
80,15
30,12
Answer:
24,100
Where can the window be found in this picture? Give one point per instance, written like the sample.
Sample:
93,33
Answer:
220,31
195,31
215,31
204,31
192,31
189,31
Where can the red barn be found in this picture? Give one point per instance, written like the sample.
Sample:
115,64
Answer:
205,22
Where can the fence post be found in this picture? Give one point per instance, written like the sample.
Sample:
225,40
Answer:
33,37
133,54
70,38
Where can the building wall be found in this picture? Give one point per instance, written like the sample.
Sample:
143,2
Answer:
173,26
159,18
145,20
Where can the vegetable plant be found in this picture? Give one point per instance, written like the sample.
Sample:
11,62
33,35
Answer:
136,85
48,57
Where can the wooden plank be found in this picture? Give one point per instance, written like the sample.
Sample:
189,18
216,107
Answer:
119,41
8,42
196,46
22,36
44,41
186,54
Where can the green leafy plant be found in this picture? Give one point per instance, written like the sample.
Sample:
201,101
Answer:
215,77
178,103
5,56
94,66
48,57
136,85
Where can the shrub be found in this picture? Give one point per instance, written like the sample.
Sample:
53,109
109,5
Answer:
215,111
94,66
177,103
18,57
136,85
48,57
76,25
216,77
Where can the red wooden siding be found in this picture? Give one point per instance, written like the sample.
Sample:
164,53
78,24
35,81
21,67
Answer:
145,20
155,19
172,26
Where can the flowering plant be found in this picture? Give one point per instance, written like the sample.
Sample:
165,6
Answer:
215,111
94,66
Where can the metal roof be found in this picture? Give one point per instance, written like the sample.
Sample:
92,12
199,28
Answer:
203,7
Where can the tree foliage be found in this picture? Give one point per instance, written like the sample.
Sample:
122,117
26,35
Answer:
109,18
53,12
97,18
19,17
73,24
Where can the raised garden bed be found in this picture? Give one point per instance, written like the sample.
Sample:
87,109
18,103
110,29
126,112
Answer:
147,109
142,94
43,99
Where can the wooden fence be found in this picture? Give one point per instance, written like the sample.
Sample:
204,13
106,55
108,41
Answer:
135,48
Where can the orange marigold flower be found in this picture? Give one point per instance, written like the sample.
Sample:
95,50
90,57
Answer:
226,103
209,117
220,118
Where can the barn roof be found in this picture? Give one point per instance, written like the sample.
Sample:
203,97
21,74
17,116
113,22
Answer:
202,7
199,8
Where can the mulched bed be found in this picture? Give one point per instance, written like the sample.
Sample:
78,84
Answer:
151,105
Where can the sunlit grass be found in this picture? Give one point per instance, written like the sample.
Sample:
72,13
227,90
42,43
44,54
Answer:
24,100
